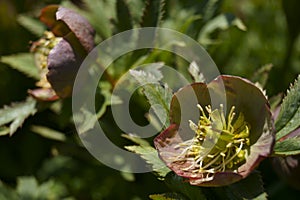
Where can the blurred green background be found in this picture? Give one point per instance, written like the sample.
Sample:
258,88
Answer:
35,166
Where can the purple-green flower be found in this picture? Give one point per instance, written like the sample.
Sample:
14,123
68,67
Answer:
60,52
212,144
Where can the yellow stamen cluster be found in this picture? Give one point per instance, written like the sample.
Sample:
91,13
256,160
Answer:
219,144
42,48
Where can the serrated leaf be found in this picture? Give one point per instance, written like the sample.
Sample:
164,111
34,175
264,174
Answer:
23,62
16,114
194,70
222,22
123,16
167,196
150,155
262,74
289,115
158,96
31,24
48,133
179,184
153,13
288,147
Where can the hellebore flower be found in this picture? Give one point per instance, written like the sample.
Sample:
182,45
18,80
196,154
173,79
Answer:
60,52
212,143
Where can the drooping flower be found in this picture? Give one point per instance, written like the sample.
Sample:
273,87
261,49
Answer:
219,131
60,52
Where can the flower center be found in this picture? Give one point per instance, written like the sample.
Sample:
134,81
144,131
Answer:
219,144
41,49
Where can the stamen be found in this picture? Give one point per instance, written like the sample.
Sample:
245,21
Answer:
230,147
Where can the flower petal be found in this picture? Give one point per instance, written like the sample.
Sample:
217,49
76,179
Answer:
63,69
247,98
63,21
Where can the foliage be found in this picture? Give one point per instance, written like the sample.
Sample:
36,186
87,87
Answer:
16,113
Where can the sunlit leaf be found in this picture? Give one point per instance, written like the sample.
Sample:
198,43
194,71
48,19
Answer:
16,113
158,96
287,147
194,70
4,130
31,24
220,22
289,115
150,155
136,139
262,74
48,133
27,187
23,62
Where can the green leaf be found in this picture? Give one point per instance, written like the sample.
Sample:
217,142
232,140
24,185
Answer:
167,196
153,13
31,24
210,8
179,184
288,147
7,193
150,155
158,96
136,139
194,70
99,15
17,113
262,74
289,115
87,118
4,130
27,187
48,133
23,62
124,19
222,22
51,190
275,101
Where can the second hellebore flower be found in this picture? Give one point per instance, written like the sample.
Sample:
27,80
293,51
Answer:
60,52
219,131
